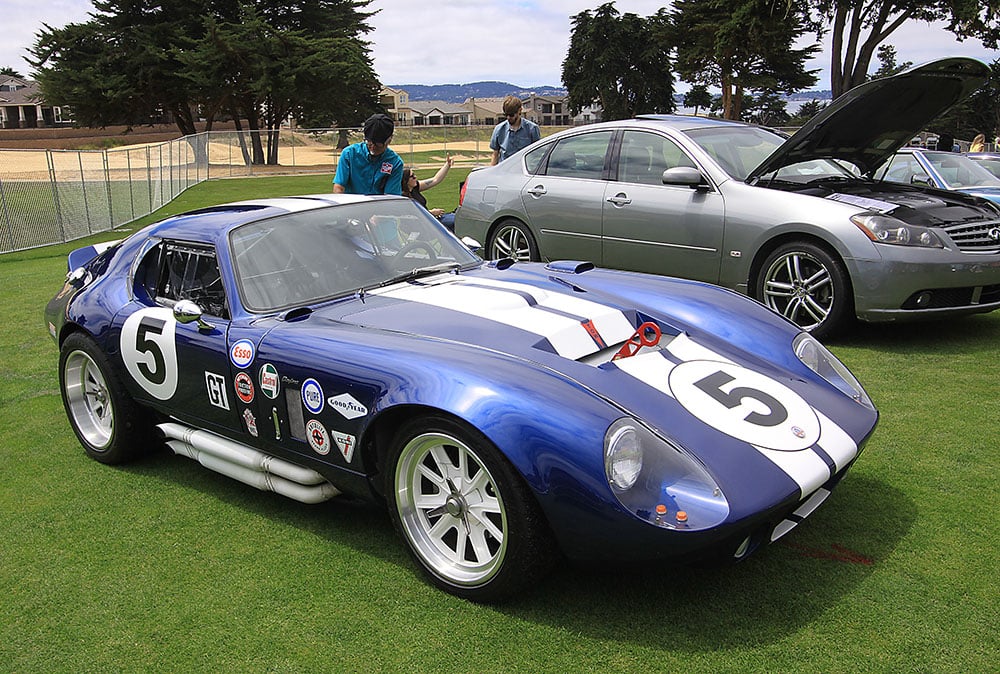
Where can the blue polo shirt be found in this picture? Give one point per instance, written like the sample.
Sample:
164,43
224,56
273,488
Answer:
510,141
361,172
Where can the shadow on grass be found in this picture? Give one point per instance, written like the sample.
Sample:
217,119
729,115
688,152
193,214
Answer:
968,333
774,594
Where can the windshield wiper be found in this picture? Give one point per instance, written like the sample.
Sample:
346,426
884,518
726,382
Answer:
421,272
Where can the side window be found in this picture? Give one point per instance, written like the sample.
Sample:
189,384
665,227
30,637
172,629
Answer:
533,159
645,156
580,156
179,271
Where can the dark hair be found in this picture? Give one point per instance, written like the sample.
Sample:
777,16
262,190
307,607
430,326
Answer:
415,192
378,128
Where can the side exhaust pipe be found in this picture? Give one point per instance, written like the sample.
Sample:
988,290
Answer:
248,465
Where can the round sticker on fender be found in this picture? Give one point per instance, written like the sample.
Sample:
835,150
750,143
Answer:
149,351
745,405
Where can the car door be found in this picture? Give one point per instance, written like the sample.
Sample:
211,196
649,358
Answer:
564,201
656,228
183,366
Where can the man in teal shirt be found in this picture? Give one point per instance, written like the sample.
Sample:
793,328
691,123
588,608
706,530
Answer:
370,167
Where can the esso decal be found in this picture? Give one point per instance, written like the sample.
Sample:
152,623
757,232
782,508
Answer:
745,405
150,352
241,353
312,396
318,438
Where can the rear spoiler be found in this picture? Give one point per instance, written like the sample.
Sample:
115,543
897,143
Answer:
82,256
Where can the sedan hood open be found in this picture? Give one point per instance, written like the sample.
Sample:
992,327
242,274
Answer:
869,123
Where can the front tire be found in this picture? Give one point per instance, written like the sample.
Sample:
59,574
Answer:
808,286
467,517
512,239
110,425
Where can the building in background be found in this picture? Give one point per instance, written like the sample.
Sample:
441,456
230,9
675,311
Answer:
22,107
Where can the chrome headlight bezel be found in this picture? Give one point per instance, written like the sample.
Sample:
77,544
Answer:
893,231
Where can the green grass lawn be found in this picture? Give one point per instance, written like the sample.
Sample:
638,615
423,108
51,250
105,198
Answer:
163,565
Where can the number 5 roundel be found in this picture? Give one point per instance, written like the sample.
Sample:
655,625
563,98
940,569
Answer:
745,405
149,351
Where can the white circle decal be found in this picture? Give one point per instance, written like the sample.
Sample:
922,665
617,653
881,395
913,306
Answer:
241,353
745,405
318,438
312,396
149,351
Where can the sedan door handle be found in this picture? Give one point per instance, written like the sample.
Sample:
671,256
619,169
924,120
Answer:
537,191
620,199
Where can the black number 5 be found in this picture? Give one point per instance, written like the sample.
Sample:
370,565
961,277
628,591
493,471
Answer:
158,374
712,386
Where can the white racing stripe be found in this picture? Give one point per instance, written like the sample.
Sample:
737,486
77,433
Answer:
801,462
555,317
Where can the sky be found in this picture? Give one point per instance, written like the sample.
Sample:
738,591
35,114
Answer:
522,42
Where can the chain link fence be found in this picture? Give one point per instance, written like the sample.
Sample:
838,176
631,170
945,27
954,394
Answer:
53,196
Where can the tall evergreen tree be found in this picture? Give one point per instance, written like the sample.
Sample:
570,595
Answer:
741,46
615,61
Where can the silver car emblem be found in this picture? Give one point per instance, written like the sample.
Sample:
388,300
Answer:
995,233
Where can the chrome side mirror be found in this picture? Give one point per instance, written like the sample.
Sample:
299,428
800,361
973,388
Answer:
186,311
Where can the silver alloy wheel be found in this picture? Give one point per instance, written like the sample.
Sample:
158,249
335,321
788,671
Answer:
799,287
450,509
88,399
511,241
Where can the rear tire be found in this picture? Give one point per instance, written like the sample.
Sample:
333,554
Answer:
110,425
512,239
467,516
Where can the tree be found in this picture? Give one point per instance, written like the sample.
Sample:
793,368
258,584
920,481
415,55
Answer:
741,46
887,63
615,61
697,97
768,109
10,72
806,111
979,113
258,60
859,26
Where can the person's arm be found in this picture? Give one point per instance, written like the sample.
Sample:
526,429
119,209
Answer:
343,171
395,183
438,177
339,189
496,158
495,143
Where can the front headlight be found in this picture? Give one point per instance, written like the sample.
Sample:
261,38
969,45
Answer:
658,481
818,358
885,229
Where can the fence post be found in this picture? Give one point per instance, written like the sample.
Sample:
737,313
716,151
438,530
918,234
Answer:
8,231
107,186
55,194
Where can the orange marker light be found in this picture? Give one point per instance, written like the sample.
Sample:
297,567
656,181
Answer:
661,510
682,516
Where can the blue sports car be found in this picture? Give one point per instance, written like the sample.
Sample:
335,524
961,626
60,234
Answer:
506,414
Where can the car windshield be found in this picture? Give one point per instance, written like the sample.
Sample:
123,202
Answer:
319,254
737,149
958,171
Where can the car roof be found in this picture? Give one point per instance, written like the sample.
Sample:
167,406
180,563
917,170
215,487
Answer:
211,225
869,123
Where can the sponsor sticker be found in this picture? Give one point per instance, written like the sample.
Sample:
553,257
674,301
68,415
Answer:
348,406
312,396
244,387
250,421
216,386
241,353
317,436
387,167
345,443
270,383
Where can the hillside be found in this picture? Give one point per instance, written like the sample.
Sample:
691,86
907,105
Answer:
459,93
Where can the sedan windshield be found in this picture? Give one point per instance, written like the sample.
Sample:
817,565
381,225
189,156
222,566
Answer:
319,254
737,149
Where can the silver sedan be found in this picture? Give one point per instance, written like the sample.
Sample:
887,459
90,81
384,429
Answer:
797,223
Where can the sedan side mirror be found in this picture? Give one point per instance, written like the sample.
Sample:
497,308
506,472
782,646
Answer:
684,176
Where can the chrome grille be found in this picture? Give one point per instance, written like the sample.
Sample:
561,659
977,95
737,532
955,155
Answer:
977,237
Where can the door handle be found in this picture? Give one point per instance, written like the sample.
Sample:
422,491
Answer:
537,191
620,199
